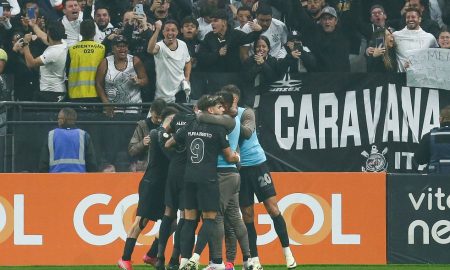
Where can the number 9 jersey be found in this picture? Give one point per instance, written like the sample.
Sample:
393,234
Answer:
204,142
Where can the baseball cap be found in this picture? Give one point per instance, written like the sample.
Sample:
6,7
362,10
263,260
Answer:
3,55
119,40
6,3
329,10
219,14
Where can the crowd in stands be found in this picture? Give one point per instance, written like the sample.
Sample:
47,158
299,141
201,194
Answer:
120,51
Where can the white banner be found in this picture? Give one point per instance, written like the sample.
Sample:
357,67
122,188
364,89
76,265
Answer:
429,68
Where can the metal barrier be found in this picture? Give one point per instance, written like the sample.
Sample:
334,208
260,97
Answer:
24,127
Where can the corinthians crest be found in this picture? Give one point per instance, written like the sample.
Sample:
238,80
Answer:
376,162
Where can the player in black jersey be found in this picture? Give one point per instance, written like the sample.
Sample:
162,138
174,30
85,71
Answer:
203,144
174,194
151,189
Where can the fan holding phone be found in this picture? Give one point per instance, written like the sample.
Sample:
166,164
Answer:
381,52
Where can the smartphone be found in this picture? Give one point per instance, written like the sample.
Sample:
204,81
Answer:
139,9
379,42
31,13
1,11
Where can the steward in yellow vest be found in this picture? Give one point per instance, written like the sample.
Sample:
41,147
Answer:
84,57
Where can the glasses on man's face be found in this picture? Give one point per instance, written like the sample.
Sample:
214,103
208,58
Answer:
375,13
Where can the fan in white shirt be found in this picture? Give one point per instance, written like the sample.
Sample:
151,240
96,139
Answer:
412,37
273,29
71,21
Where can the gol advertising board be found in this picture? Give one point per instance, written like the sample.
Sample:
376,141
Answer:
418,218
82,219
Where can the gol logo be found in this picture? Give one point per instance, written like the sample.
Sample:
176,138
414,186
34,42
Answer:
120,221
327,219
12,220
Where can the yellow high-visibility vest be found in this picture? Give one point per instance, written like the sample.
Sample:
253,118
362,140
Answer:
85,56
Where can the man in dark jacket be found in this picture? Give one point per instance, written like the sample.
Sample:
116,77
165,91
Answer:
434,148
219,51
326,39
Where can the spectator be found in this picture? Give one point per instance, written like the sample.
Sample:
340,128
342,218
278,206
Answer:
160,11
102,20
426,23
68,148
83,60
262,69
434,147
326,40
26,80
71,21
172,62
314,8
52,63
273,29
381,55
119,78
116,9
244,15
138,146
219,52
436,12
378,19
299,57
5,93
15,7
411,37
5,24
189,31
444,39
204,20
37,25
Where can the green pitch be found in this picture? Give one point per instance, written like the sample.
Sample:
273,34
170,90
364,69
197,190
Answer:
271,267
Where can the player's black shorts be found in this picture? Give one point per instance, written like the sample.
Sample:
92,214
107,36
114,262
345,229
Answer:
255,180
175,189
203,196
151,199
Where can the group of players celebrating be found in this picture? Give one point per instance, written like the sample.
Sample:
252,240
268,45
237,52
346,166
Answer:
193,168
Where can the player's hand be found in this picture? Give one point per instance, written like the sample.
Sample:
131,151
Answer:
146,140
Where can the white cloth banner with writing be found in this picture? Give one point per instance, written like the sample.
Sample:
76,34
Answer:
429,68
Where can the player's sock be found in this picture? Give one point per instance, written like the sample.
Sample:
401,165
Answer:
287,252
176,245
153,251
251,230
187,238
164,233
128,249
281,230
204,235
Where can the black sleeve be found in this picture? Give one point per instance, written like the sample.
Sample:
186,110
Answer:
68,63
206,54
245,38
87,13
91,160
309,60
180,135
44,164
422,153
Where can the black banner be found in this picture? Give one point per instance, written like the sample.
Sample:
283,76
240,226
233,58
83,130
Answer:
346,122
418,218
